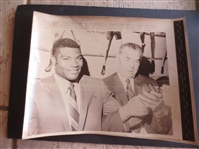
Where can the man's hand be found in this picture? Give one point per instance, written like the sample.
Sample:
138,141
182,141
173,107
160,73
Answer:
152,97
134,108
152,100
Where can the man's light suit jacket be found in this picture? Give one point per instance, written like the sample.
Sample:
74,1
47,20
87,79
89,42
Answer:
98,109
151,124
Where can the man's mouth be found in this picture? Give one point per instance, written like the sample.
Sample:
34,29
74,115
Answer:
74,71
130,71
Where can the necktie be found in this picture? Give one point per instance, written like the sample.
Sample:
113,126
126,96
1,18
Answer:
129,91
73,109
130,95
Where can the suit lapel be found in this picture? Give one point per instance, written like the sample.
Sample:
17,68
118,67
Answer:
85,101
59,104
137,87
119,90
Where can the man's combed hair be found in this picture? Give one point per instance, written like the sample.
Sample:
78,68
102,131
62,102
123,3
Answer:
130,45
64,42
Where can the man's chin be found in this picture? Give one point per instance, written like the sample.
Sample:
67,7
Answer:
130,76
73,78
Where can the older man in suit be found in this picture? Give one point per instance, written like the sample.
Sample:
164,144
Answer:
148,113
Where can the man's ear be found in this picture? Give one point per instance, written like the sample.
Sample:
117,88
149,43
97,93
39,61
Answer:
53,59
118,56
51,63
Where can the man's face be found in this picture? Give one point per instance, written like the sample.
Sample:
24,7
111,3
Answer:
69,63
129,62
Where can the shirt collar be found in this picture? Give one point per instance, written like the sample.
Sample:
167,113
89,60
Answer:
123,80
63,83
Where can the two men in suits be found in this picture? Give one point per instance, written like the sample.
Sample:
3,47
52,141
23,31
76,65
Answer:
69,101
149,114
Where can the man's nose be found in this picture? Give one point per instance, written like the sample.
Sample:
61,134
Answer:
74,63
131,64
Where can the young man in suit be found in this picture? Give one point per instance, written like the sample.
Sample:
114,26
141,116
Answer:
67,100
150,115
70,101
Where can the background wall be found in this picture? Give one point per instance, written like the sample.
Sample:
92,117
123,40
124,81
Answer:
7,11
94,45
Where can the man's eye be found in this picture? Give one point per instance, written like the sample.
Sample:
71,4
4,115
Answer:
79,58
137,62
66,58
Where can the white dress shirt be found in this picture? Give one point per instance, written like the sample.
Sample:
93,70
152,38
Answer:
65,92
123,80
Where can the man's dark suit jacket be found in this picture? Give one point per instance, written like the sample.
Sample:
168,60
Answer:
150,122
98,109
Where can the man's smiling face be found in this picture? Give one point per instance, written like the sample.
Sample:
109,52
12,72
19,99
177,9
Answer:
69,63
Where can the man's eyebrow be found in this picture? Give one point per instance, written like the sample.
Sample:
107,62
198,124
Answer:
127,57
64,56
79,56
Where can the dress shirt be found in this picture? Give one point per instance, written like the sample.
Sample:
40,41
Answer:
123,80
65,92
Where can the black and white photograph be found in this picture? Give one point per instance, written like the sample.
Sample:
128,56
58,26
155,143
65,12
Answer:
97,75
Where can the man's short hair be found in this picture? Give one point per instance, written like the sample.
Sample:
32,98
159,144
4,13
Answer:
64,42
130,45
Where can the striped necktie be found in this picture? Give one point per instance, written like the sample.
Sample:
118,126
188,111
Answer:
73,109
129,91
130,95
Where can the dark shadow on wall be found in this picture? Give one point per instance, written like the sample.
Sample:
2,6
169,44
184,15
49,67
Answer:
146,67
85,69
